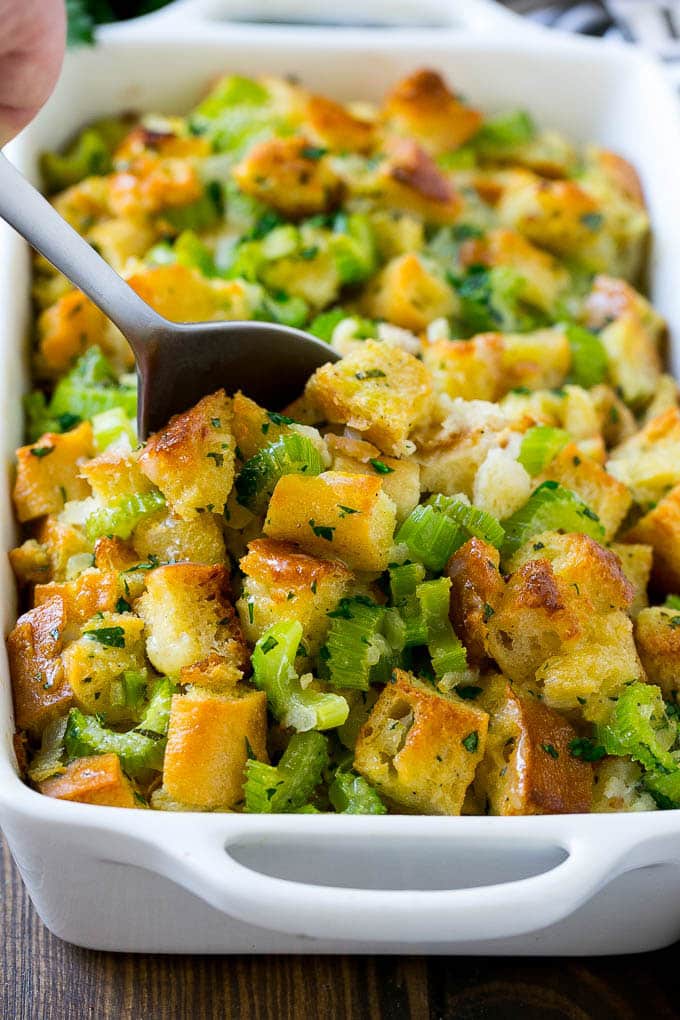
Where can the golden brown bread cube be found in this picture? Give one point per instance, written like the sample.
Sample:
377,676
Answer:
408,293
612,298
38,682
94,671
115,474
636,563
618,787
420,748
609,498
30,563
477,590
252,426
283,583
401,483
471,369
210,738
346,517
214,673
423,107
380,391
48,472
535,360
660,528
95,780
633,359
335,127
543,277
649,461
168,537
410,181
66,329
657,636
289,174
528,768
91,592
188,616
192,459
183,295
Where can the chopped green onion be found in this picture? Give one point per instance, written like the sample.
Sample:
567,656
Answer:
550,507
274,673
445,648
540,446
290,454
122,518
286,787
351,794
588,357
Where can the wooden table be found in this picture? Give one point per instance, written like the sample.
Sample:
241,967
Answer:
42,978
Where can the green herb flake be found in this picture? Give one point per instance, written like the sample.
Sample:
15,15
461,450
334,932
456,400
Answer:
123,606
251,610
471,742
216,423
312,152
280,419
586,749
217,457
345,511
551,750
488,612
268,644
41,451
380,467
468,692
112,637
592,220
370,373
321,530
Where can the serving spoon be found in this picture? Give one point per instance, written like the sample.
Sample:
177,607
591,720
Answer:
177,363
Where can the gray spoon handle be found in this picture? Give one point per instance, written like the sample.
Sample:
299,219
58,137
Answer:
40,224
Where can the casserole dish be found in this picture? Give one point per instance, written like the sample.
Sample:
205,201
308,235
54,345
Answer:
237,883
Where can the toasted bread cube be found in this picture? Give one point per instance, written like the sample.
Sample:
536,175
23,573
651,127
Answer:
113,554
210,738
337,515
30,563
587,674
48,472
537,360
649,462
192,459
282,583
66,329
604,494
660,528
94,669
558,215
657,636
168,537
214,673
409,181
252,426
422,106
471,369
61,541
633,359
115,474
620,173
336,127
287,174
154,184
380,391
477,590
666,396
420,748
409,293
612,299
528,768
618,787
183,295
121,240
189,616
636,563
39,685
401,483
96,780
543,277
92,592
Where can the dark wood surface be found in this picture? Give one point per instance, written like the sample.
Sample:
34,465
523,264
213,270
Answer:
42,978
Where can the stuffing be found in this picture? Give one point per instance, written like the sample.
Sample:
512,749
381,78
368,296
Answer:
618,787
543,278
48,472
95,664
636,563
419,747
91,592
336,127
409,180
528,768
290,174
182,294
421,106
189,615
164,536
210,738
66,329
470,369
648,463
410,293
334,514
380,391
283,583
192,459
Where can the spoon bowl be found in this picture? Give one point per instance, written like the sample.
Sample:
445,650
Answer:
177,363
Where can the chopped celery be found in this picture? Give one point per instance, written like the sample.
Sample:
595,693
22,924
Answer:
464,158
190,251
280,242
445,648
477,523
290,454
87,156
135,686
350,794
672,602
161,254
664,787
121,519
202,214
109,427
139,749
540,446
490,300
404,579
324,324
356,647
352,246
588,357
640,727
49,760
550,507
232,91
508,129
274,672
90,388
286,787
431,536
287,309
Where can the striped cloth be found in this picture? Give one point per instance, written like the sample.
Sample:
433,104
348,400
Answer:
647,22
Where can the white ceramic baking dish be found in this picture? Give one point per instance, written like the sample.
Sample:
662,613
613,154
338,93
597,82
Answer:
143,881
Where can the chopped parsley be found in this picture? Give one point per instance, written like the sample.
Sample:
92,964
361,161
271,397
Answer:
345,511
112,637
41,451
586,749
268,644
592,220
380,466
313,152
280,419
321,530
370,373
217,457
488,612
551,750
123,606
471,742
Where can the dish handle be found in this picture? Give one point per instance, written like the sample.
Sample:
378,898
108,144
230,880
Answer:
248,876
473,15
